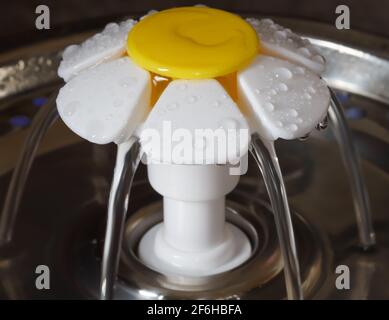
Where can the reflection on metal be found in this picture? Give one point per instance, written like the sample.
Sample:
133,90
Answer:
354,70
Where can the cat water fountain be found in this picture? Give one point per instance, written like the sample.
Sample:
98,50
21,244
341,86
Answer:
192,92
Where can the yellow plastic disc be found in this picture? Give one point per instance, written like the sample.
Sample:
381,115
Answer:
192,43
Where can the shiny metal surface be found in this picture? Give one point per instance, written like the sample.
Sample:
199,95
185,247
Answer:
355,73
62,217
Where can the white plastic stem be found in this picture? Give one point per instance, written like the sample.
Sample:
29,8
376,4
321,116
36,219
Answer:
194,203
194,226
194,238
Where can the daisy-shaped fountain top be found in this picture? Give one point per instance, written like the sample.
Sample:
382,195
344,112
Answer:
198,68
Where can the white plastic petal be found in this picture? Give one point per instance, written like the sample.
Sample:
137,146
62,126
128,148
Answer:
281,42
107,103
103,46
285,100
177,122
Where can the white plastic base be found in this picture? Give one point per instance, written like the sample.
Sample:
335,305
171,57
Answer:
158,254
194,239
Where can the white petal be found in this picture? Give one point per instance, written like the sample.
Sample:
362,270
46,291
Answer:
103,46
281,42
106,104
187,106
151,12
285,100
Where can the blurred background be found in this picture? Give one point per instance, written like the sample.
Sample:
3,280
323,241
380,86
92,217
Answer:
67,16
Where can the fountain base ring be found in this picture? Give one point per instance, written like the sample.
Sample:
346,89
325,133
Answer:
253,279
159,255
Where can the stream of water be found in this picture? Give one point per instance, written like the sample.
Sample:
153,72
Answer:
127,161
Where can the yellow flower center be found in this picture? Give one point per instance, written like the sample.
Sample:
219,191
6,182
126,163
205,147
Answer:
192,43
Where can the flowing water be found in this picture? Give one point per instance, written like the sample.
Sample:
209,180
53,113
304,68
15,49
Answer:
43,120
127,161
266,158
352,165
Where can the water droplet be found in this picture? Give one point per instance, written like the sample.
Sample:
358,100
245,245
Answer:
111,27
311,90
299,120
283,73
305,51
273,27
281,35
21,64
269,106
292,127
267,21
273,92
257,91
192,99
307,96
293,112
71,108
254,22
94,129
283,87
279,124
319,59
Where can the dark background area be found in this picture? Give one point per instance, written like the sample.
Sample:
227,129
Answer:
17,27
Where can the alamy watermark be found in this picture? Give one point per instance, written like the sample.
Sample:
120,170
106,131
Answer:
343,20
42,21
342,281
199,146
42,281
